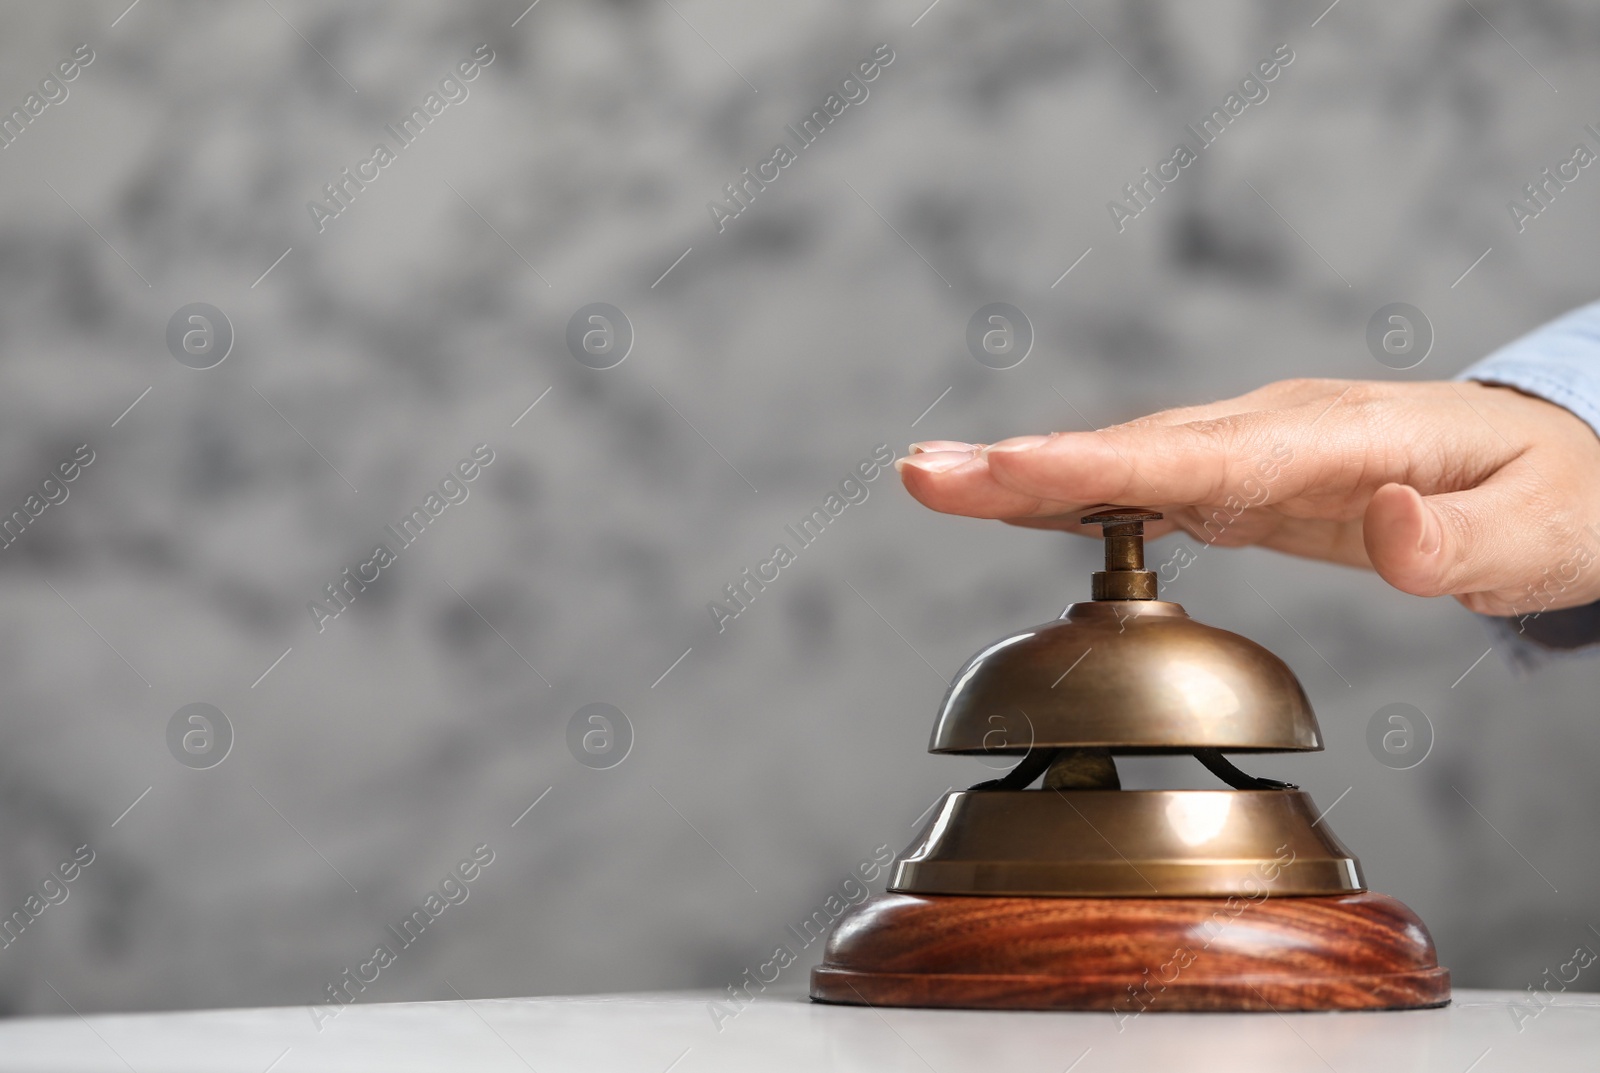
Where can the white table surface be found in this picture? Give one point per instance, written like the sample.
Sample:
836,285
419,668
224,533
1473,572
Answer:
651,1033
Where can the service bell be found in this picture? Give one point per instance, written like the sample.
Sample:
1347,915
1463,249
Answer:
1073,894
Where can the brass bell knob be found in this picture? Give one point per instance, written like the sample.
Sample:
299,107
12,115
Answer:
1124,577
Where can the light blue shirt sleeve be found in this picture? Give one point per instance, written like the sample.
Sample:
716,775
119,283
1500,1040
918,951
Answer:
1559,362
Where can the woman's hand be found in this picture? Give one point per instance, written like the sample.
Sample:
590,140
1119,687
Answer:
1463,489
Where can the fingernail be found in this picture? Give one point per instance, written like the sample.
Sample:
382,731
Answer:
1432,536
930,446
934,461
1016,444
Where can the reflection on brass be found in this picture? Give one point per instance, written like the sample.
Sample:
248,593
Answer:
1127,843
1082,769
1128,675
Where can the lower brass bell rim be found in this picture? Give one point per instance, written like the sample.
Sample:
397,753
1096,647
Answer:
1128,843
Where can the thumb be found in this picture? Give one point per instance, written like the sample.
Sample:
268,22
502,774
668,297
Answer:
1454,543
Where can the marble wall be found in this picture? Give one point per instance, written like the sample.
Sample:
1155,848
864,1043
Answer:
382,315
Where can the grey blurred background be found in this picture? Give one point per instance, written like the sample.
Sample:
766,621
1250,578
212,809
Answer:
770,758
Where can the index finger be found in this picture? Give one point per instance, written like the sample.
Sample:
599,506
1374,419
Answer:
1327,454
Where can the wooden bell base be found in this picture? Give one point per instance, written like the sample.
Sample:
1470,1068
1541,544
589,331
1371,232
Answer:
1132,955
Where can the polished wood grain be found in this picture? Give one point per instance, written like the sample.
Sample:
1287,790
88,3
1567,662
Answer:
1132,955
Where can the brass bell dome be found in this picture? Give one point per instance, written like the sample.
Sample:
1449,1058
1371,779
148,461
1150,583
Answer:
1127,673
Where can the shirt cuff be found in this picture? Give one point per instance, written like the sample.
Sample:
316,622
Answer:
1559,362
1538,634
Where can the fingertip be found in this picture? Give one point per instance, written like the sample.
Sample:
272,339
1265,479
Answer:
930,446
927,477
932,461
